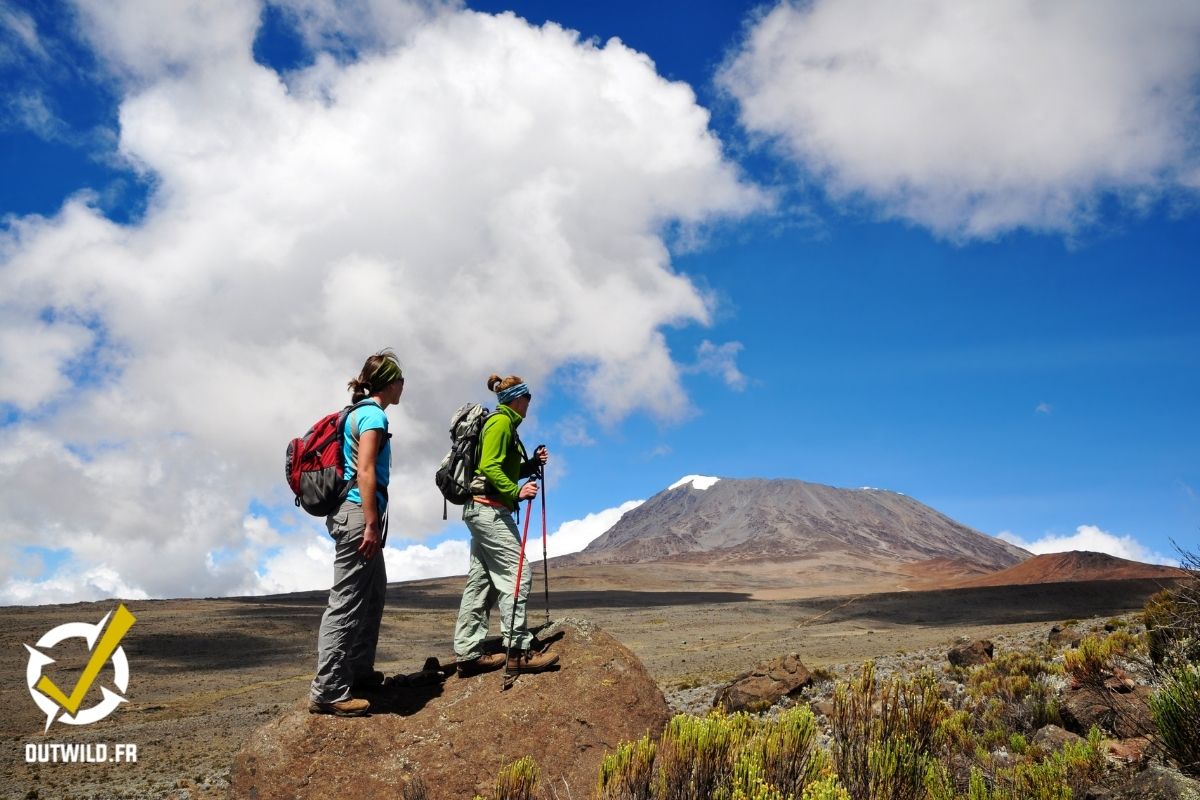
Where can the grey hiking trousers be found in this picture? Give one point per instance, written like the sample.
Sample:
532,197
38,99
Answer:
495,551
350,627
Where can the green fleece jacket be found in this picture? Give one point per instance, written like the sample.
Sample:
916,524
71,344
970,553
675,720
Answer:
502,458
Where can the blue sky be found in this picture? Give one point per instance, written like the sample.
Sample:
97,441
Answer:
947,253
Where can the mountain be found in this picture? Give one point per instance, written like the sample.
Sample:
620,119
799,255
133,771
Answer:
731,521
1073,566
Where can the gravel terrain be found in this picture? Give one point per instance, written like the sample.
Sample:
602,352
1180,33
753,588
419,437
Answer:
205,673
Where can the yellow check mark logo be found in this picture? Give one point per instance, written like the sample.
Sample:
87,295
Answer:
121,622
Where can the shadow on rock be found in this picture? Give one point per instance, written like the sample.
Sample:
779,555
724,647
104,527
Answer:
456,733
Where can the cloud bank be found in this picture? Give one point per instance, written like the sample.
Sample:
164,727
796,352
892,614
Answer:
978,118
477,184
1091,538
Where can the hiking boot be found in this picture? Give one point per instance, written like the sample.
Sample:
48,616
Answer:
342,708
529,661
485,663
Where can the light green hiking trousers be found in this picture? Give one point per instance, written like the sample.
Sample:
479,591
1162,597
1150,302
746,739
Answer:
495,552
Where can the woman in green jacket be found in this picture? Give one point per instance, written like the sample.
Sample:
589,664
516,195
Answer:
496,542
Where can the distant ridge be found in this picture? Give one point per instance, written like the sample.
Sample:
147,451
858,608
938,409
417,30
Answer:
1076,565
730,521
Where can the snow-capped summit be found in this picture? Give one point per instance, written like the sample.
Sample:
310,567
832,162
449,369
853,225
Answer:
700,482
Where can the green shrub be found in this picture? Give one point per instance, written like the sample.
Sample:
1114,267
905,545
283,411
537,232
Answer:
1176,710
1172,619
787,750
749,779
518,781
1062,775
884,753
627,774
826,788
1013,692
696,755
1089,663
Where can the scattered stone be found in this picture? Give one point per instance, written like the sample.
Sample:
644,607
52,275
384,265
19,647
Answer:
765,685
823,708
1052,738
971,655
1064,637
1120,682
1130,751
457,734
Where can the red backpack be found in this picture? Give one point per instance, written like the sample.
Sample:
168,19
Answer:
315,464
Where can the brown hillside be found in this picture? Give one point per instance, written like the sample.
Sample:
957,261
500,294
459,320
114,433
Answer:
1077,565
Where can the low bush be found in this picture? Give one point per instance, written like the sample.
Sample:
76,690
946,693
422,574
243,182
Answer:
1176,710
518,781
696,755
1172,618
722,757
1013,692
627,773
1061,775
883,750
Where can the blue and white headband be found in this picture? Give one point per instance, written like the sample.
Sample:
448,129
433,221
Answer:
512,393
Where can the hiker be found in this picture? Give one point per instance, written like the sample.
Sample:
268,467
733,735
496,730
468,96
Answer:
350,627
496,543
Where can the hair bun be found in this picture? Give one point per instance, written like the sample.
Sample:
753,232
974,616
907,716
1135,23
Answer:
493,381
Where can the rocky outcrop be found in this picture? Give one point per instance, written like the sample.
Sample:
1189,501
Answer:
765,685
457,734
1156,782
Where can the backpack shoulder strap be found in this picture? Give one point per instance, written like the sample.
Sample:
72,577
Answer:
352,419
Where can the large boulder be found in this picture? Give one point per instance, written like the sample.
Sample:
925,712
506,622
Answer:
765,685
457,734
1124,714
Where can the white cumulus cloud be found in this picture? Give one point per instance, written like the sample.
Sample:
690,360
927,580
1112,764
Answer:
480,184
1093,539
573,536
977,118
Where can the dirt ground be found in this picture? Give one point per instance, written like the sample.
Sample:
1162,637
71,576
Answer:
205,673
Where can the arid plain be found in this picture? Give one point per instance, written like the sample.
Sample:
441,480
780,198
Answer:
206,673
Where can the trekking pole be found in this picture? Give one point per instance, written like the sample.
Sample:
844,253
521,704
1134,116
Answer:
508,676
545,569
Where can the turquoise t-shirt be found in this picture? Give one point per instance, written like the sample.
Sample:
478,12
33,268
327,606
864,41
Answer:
368,418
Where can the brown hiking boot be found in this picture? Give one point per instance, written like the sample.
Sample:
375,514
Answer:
342,708
485,663
529,661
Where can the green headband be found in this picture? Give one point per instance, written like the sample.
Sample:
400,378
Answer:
387,372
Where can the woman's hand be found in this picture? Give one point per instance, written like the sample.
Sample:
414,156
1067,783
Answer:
371,542
542,454
528,491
